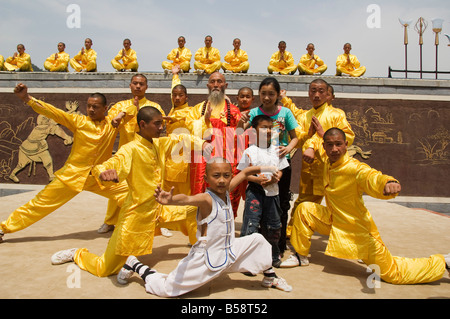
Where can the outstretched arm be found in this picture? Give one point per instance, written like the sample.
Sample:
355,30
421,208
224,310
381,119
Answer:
251,170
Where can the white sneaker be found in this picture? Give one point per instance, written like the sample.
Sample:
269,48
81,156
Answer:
276,282
126,272
294,261
105,228
63,256
166,233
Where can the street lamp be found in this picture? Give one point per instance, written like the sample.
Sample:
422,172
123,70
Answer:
437,28
405,24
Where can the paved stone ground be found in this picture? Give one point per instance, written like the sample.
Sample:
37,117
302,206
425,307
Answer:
26,271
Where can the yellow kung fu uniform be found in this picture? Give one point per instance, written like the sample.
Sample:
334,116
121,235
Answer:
311,175
307,65
126,134
177,175
61,64
296,111
207,59
139,215
86,61
93,143
353,233
183,60
2,63
311,181
236,63
353,68
129,61
21,62
283,67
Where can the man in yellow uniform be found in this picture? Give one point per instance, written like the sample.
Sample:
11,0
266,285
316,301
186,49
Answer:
86,59
58,62
312,125
282,61
351,229
93,140
138,87
20,61
177,172
236,61
349,64
138,217
308,62
2,63
180,57
207,58
129,59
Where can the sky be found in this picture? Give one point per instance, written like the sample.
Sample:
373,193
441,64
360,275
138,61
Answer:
372,27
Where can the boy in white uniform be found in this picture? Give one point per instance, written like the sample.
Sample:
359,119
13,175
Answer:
217,250
262,205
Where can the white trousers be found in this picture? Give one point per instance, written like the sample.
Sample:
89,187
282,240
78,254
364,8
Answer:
253,254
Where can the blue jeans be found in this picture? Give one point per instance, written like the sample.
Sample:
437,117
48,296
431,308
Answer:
262,214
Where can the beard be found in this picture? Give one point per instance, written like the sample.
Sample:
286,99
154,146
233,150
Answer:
216,98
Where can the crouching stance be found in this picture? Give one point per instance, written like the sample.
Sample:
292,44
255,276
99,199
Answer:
217,250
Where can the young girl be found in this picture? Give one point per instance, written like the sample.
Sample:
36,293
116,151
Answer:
283,136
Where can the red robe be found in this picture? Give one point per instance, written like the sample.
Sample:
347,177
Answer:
223,134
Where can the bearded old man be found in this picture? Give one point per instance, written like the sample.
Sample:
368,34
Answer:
218,119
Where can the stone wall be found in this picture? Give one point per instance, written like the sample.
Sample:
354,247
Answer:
402,126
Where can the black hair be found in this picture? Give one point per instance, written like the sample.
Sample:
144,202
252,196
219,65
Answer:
269,81
101,96
245,88
259,118
147,113
334,131
139,75
180,86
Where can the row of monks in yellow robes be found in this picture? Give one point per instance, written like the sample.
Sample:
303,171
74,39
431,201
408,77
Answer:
207,60
84,61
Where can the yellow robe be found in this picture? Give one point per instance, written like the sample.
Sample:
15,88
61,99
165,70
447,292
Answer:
183,60
236,63
126,134
139,215
351,229
311,181
211,63
22,62
282,67
353,68
2,63
177,175
93,143
61,64
86,61
311,175
129,61
308,65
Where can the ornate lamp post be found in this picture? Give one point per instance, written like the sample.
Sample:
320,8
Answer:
405,25
420,27
437,28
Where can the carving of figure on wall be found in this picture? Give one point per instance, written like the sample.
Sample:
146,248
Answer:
35,148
